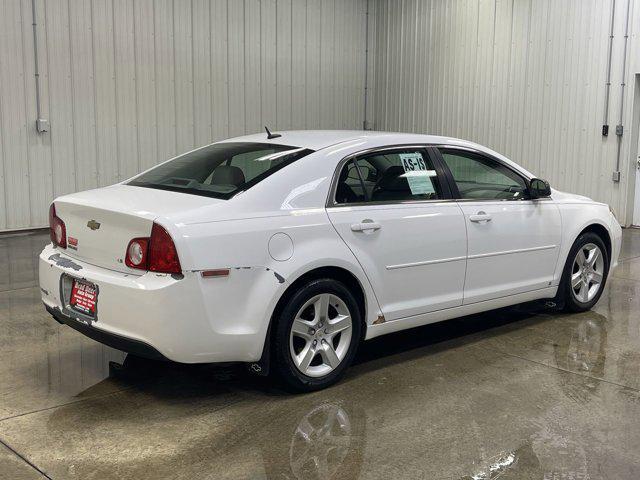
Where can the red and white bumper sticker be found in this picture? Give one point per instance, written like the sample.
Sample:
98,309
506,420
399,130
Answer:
83,297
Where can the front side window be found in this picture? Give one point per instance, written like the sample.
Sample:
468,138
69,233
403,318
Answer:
481,178
401,175
220,170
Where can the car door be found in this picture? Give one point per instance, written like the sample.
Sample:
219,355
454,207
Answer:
513,241
393,208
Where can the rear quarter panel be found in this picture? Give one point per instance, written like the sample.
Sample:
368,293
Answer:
243,302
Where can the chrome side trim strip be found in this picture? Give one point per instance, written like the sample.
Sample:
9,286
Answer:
509,252
426,262
470,257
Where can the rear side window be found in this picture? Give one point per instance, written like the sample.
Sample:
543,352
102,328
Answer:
481,178
402,175
220,170
349,188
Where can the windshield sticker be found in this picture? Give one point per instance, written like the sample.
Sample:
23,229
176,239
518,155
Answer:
417,174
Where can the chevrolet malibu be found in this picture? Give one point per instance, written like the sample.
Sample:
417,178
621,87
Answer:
286,251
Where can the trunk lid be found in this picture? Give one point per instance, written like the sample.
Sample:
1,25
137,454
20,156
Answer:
100,223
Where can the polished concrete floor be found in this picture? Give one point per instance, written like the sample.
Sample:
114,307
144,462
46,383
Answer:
521,393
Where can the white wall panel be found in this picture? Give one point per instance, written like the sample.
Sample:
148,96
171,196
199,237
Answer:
128,83
104,73
40,189
126,70
524,77
13,116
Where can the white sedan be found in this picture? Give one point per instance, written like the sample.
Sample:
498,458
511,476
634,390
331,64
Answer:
285,251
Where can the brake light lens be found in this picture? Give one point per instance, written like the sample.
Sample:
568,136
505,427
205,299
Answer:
163,256
57,229
157,253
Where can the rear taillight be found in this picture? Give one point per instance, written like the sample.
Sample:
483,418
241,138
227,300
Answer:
137,253
57,229
163,256
157,253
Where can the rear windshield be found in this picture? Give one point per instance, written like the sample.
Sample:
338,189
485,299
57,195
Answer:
220,170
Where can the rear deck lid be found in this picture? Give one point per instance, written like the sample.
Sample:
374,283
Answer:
101,223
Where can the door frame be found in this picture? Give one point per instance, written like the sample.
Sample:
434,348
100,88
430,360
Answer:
438,165
454,186
633,189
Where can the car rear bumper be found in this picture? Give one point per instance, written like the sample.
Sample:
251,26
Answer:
153,315
125,344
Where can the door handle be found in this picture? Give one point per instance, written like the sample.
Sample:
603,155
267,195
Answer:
480,217
365,226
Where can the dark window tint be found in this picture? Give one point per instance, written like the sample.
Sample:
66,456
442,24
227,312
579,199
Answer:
349,188
389,177
482,178
220,170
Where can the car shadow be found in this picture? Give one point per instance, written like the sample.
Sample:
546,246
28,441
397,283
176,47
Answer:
455,332
168,379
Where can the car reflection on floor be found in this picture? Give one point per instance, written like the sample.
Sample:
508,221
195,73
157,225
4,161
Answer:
525,392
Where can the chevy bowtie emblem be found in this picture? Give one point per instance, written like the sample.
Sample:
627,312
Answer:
93,225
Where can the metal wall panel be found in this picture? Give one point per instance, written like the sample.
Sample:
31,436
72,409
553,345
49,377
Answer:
129,83
13,116
524,77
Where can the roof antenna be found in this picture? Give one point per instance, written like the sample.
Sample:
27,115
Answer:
271,135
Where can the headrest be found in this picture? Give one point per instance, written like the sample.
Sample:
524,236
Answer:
393,179
227,175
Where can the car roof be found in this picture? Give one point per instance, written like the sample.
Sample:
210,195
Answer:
319,139
312,139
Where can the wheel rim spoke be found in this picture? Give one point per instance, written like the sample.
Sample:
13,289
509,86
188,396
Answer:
338,324
584,292
576,280
301,328
322,307
596,277
580,258
329,355
305,357
594,254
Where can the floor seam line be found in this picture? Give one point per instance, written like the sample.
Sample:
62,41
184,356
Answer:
85,400
25,459
18,289
567,371
65,404
625,278
622,260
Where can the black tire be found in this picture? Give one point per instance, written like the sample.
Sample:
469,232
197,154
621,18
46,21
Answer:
565,292
283,365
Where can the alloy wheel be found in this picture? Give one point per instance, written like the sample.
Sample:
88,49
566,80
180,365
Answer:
320,335
587,273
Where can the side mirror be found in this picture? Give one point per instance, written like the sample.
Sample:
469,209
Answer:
539,188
